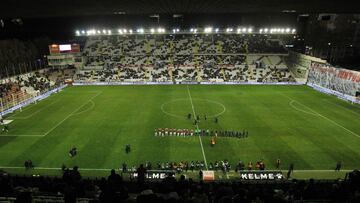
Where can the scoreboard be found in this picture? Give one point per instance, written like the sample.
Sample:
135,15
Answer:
64,48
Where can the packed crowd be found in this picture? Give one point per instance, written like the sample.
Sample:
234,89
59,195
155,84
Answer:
21,87
218,165
184,58
112,46
207,71
6,89
72,187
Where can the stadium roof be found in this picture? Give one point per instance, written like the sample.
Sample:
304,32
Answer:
48,8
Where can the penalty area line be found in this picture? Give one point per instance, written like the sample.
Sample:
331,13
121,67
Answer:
58,124
71,114
324,117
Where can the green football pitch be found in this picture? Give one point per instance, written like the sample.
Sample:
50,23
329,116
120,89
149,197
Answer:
293,123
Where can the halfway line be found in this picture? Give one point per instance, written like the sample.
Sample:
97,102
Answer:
197,127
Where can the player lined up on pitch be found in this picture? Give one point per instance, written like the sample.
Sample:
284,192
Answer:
5,128
197,119
202,132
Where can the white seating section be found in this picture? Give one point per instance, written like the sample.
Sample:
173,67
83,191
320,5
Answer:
183,58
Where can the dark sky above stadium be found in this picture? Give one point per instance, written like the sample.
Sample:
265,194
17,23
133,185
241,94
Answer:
59,19
46,8
64,27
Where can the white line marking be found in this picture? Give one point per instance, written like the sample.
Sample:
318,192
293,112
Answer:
197,127
53,128
5,135
341,107
29,116
86,110
325,170
185,99
170,114
71,114
291,103
18,111
315,112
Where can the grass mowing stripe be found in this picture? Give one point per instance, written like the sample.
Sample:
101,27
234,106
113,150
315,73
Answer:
315,112
29,116
128,115
53,128
335,104
197,126
5,135
87,109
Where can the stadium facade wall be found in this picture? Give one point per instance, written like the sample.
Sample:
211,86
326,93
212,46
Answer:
32,100
323,77
337,79
299,65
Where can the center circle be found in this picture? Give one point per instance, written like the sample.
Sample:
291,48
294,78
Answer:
181,107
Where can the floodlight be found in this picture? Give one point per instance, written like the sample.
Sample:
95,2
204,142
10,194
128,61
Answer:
83,32
104,31
293,31
152,30
130,31
287,30
244,29
177,30
109,32
120,31
217,30
261,30
208,30
250,30
77,32
194,30
266,30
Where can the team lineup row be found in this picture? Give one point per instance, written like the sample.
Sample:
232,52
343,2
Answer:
201,132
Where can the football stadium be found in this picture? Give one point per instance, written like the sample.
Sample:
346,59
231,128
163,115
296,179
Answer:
191,102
